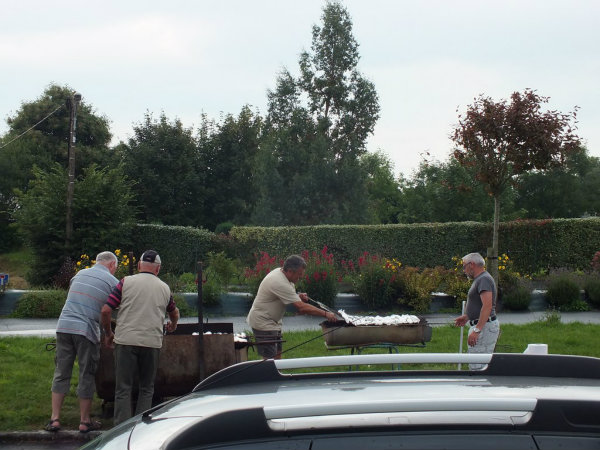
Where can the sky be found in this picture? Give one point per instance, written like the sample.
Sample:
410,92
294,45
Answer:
428,60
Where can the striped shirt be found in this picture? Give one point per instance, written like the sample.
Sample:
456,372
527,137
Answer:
87,294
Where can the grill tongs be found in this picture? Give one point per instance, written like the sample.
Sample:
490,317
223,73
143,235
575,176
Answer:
324,307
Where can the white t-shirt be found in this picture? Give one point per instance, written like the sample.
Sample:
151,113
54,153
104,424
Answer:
268,308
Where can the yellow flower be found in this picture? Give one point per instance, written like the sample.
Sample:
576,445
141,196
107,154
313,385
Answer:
118,252
78,263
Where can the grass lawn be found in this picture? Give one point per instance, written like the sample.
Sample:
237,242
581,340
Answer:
26,367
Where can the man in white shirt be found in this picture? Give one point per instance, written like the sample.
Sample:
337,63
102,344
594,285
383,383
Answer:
276,291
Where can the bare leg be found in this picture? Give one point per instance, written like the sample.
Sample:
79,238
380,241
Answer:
57,402
85,408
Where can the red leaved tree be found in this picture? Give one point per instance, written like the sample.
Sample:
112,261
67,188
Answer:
502,140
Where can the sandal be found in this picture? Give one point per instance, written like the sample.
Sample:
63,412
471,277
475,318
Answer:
51,427
89,426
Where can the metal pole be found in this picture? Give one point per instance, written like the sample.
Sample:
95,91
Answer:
200,324
74,101
461,333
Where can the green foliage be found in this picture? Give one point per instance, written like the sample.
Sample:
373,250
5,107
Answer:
228,150
592,291
211,290
539,244
180,248
264,264
224,227
517,299
562,292
185,310
162,159
308,169
40,304
320,280
374,281
417,285
101,210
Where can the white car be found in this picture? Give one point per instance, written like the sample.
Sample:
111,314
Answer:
519,401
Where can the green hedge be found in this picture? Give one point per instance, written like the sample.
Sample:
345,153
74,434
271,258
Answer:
532,245
180,248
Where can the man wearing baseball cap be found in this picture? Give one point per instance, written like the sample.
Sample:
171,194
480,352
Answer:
142,300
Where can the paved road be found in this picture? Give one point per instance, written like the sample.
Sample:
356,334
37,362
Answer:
47,327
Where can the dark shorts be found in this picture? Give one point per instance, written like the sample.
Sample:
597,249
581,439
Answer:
268,350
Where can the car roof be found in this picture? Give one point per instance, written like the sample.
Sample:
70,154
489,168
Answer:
259,400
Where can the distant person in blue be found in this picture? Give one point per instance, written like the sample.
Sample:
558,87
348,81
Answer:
480,309
78,335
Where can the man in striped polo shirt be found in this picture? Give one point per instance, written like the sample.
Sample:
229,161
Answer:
78,335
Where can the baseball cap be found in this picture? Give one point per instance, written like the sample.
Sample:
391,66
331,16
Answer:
150,256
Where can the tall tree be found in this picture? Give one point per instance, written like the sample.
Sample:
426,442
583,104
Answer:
501,140
38,134
163,160
316,131
228,150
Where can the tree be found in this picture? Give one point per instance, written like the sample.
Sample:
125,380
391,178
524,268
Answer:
47,143
163,160
384,190
569,191
447,192
502,140
316,131
102,215
228,150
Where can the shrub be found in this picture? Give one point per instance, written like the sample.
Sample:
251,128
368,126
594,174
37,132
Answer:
264,264
185,310
374,282
562,291
517,299
40,304
320,278
417,286
592,291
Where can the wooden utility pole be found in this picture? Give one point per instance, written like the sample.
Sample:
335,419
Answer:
73,103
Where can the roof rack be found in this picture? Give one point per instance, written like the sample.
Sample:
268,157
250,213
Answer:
498,364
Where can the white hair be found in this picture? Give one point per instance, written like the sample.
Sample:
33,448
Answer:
474,258
106,257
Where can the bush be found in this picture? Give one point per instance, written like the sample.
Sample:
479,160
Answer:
185,310
592,291
320,280
374,282
40,304
264,264
517,299
562,291
417,286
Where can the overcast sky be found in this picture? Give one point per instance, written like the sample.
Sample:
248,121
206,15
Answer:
426,59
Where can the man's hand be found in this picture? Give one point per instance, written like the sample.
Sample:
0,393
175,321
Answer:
304,297
171,326
109,340
472,339
330,317
461,320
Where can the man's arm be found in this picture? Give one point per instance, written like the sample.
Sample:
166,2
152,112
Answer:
305,308
105,316
174,318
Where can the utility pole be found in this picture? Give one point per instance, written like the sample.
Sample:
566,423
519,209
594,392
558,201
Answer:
73,103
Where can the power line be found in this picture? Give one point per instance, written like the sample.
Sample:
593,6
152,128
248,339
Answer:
29,129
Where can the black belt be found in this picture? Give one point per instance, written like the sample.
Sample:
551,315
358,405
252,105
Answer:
474,322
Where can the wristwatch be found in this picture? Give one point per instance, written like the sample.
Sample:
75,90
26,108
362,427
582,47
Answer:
476,330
